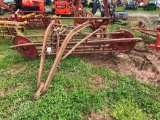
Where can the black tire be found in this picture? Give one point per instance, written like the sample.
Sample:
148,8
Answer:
28,8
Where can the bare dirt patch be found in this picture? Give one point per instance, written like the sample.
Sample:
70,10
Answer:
1,56
145,66
12,89
7,91
16,69
95,83
98,116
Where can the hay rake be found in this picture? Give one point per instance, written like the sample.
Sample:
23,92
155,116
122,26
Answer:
61,40
93,41
153,32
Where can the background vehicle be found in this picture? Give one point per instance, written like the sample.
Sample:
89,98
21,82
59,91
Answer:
131,5
65,7
30,5
25,5
151,5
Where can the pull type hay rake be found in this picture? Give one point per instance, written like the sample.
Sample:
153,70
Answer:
61,40
89,37
94,40
153,32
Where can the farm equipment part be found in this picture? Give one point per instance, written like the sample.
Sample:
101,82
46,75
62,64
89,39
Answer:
116,15
93,42
65,7
32,11
153,32
2,4
25,5
61,40
121,14
11,28
23,44
36,19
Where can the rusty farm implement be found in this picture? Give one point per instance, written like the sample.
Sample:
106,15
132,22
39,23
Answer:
32,11
89,36
19,21
35,19
153,32
58,32
64,43
11,28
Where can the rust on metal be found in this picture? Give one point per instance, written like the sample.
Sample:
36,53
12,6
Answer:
62,40
153,32
2,4
88,36
93,43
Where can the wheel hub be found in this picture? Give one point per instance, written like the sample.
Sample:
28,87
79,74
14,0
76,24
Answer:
28,51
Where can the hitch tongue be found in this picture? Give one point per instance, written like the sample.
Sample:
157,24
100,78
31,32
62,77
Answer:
39,92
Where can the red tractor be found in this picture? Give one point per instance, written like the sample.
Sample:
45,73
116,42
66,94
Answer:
30,5
25,5
65,7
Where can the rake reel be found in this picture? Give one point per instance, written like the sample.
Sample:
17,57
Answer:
153,32
62,40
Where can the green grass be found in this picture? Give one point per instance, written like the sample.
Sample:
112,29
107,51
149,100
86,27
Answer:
76,90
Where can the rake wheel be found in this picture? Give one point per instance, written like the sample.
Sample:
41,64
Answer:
82,13
28,51
157,28
128,45
141,23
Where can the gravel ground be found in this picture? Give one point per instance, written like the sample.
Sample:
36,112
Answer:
143,14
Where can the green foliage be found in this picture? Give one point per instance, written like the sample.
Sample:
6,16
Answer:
126,110
145,97
67,97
